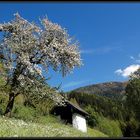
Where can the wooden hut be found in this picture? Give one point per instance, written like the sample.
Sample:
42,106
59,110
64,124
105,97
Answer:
73,114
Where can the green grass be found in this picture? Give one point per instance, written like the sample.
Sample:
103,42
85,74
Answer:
95,133
28,122
11,127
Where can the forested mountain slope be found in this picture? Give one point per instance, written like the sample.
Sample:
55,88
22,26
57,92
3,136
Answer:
108,89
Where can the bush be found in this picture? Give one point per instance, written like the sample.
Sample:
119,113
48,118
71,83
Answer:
42,105
24,112
109,127
3,103
27,113
130,128
45,106
92,119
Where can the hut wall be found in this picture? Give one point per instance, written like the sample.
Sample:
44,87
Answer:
79,122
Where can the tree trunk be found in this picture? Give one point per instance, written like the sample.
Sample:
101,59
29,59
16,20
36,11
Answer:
10,105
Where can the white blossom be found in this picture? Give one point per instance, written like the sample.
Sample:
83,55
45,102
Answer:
28,48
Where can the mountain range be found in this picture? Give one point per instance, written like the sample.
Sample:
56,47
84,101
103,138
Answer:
107,89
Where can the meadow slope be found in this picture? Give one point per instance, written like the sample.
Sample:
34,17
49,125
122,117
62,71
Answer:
11,127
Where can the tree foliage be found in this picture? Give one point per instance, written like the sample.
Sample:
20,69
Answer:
113,109
29,50
133,93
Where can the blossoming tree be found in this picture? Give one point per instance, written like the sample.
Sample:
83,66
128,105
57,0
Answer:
28,51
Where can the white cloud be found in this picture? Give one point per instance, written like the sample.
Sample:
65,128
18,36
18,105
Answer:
128,70
136,60
132,57
119,71
100,50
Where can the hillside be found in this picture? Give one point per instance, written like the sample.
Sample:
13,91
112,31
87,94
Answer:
11,127
108,89
29,121
105,98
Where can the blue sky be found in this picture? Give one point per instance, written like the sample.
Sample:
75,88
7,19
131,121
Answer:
108,33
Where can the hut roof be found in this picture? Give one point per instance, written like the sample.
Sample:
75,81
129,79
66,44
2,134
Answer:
77,107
